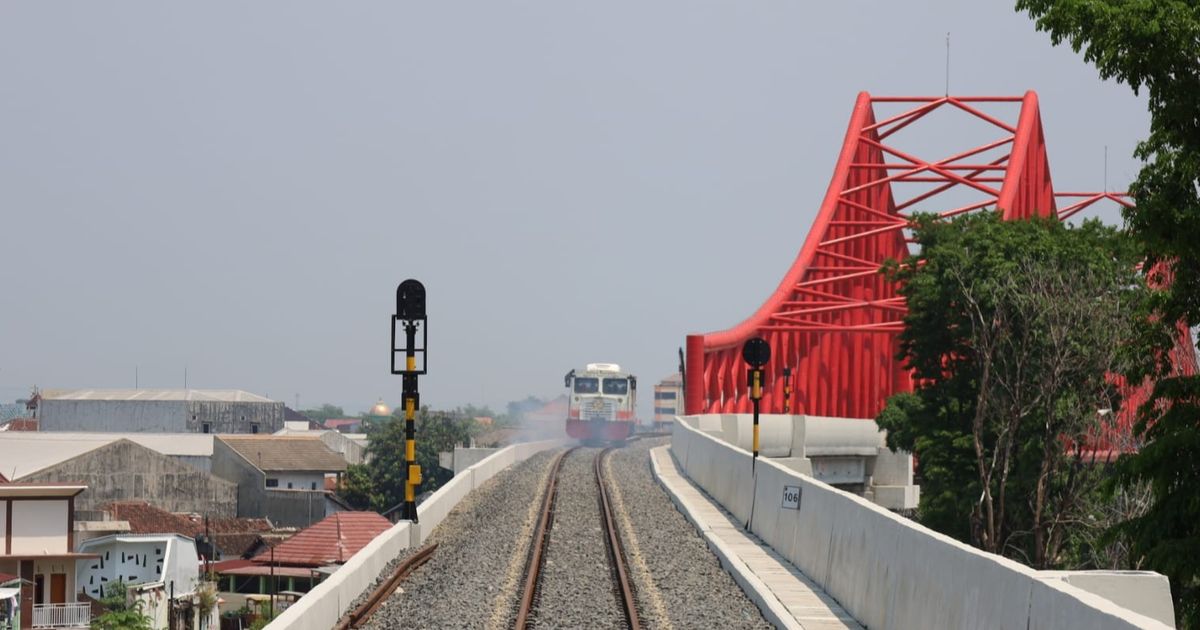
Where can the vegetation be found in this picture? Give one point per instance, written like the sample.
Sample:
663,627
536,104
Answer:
1154,45
323,413
379,483
118,613
1012,330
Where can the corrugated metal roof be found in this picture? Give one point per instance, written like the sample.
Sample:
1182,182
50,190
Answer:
334,539
286,452
161,395
26,452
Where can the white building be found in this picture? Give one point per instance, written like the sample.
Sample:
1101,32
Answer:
155,567
36,532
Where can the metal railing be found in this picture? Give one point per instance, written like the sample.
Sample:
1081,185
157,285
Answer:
62,615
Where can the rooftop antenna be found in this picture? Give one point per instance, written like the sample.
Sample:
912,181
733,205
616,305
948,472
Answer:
947,63
185,377
135,377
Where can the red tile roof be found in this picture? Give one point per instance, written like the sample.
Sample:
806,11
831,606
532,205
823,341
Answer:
21,424
333,539
5,578
338,423
232,536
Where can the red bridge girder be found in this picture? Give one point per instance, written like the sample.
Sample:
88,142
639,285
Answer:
835,319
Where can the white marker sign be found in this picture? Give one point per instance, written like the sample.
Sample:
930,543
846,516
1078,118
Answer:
791,497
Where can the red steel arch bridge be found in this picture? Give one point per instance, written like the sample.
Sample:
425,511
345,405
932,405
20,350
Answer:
834,319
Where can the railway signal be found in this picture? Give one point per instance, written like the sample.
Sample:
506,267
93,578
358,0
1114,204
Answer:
410,315
756,352
787,390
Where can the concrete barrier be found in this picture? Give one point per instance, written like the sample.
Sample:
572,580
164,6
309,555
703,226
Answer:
324,605
887,571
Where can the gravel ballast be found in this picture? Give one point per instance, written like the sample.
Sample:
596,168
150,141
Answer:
679,583
474,579
577,584
479,562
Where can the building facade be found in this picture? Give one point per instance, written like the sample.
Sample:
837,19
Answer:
121,471
279,477
158,411
37,530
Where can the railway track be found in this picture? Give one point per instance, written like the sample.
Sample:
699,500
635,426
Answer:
359,617
621,582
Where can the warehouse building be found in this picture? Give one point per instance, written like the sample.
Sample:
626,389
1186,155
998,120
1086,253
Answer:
115,470
158,411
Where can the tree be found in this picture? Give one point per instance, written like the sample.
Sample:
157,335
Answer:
1155,45
323,413
379,484
118,613
1013,331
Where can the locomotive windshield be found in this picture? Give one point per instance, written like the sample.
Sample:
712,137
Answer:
587,385
616,386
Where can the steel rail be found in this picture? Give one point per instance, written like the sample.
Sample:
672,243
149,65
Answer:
537,546
359,616
616,553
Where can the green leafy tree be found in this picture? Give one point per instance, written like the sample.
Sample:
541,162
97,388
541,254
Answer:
1154,45
119,614
1012,331
379,484
323,413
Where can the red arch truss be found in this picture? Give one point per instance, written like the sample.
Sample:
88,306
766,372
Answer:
834,319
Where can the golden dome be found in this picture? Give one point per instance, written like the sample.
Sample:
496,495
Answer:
380,410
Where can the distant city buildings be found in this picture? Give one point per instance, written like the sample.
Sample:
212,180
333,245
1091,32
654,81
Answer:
158,411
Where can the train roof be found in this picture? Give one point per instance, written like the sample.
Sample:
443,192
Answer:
601,370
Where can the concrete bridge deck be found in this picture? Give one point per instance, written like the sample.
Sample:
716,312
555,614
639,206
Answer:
787,597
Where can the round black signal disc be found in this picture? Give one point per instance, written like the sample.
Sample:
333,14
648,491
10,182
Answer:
756,352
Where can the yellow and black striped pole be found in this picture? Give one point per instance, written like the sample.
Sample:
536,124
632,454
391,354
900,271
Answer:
756,352
411,400
755,396
410,313
787,390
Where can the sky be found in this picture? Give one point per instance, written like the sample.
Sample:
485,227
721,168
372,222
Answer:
235,189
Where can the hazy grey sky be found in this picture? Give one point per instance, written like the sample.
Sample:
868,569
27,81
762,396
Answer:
238,187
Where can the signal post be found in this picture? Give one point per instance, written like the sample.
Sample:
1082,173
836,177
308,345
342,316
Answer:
410,315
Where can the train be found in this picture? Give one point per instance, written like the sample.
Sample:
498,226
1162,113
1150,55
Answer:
601,403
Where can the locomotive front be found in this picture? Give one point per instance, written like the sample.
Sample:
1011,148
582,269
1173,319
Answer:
601,404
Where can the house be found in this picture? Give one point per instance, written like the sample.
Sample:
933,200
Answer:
280,477
345,425
115,468
303,560
158,411
161,570
37,528
10,602
232,538
351,449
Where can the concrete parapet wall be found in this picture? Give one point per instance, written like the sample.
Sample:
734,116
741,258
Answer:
885,570
322,607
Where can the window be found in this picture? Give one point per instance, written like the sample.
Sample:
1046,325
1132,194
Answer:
272,483
616,386
206,428
664,395
314,485
587,385
254,427
289,485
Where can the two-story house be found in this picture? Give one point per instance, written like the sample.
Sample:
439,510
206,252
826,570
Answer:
37,529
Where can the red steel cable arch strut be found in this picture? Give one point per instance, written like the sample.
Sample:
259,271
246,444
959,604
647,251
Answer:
834,319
